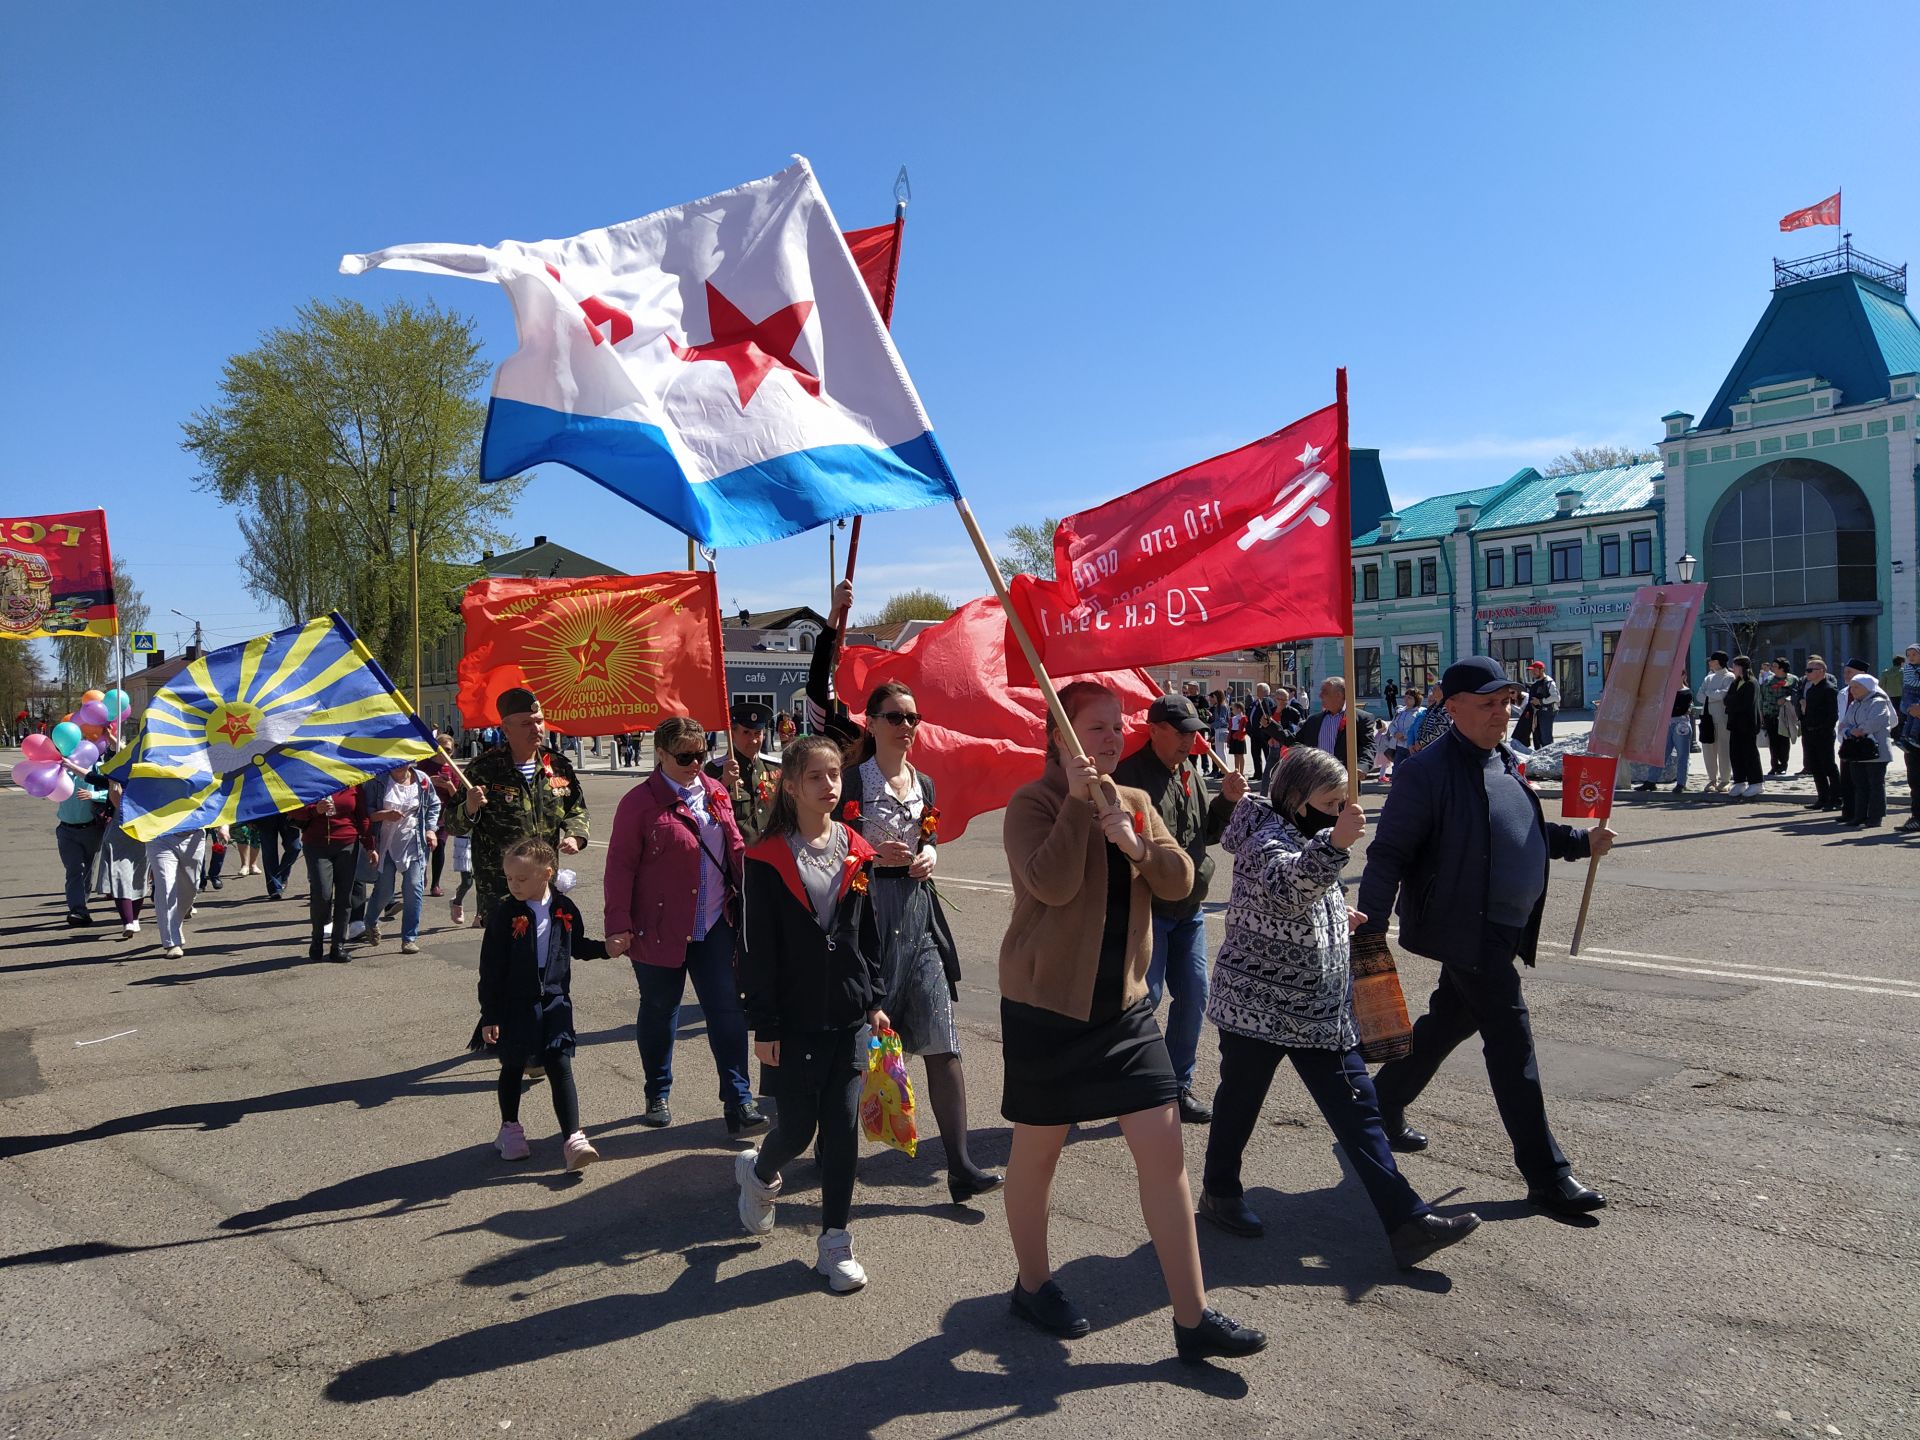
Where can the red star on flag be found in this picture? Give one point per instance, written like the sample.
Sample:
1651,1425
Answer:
752,350
591,656
236,727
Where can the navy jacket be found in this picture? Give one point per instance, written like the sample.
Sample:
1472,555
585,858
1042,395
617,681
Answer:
1433,849
534,1009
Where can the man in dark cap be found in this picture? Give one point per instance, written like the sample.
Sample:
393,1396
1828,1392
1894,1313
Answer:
516,789
1463,843
1164,768
751,779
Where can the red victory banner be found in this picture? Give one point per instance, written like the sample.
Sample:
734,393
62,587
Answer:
1827,212
612,654
56,576
1248,548
1586,787
984,733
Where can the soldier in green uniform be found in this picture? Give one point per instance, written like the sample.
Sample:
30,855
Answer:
751,779
516,790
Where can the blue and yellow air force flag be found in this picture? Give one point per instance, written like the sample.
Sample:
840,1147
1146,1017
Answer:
264,727
720,364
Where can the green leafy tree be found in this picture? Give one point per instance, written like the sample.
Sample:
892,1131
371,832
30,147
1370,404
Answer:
334,435
22,676
1598,457
1030,550
912,605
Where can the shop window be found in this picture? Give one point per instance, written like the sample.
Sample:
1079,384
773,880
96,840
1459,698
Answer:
1403,578
1429,577
1640,548
1366,668
1496,570
1369,582
1419,667
1523,565
1514,657
1563,560
1609,642
1609,556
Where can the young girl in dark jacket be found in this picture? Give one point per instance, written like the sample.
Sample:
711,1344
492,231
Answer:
526,1007
810,977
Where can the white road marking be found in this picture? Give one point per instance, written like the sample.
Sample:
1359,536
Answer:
1594,959
104,1038
1738,965
999,886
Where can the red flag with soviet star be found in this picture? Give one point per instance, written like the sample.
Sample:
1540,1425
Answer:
1586,786
606,656
1248,548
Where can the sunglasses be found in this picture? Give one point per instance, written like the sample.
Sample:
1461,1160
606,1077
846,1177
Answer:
686,757
897,718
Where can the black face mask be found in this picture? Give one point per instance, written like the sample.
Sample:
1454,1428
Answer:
1312,821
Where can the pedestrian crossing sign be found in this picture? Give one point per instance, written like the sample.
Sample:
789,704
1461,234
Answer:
144,642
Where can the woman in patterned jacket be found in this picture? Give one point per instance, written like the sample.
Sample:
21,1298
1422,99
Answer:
1282,990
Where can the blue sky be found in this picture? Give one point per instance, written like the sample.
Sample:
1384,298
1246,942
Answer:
1141,234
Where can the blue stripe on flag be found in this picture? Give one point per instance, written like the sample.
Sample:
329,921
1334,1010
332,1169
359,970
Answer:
769,501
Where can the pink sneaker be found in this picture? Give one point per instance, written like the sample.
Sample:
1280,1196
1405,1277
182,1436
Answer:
511,1142
459,914
580,1151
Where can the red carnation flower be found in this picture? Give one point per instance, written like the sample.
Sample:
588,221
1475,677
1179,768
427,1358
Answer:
519,927
852,810
1139,823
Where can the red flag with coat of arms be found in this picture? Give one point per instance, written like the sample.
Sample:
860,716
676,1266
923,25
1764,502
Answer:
1248,548
1586,786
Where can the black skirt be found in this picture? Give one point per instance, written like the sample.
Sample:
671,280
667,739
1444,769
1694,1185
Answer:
1062,1071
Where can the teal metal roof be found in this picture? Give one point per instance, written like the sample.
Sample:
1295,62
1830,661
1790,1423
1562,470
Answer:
1428,519
1844,327
1533,500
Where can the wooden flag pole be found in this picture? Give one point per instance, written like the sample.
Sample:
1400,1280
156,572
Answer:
1586,898
1060,721
1344,514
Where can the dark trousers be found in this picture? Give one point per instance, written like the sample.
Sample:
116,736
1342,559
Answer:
79,846
216,861
1869,779
1778,745
1542,726
1816,749
1339,1084
1257,742
1488,1001
330,893
817,1085
1743,752
710,967
559,1065
1912,759
439,862
279,849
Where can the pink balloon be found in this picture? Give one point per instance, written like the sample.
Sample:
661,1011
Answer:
62,787
93,712
39,747
84,754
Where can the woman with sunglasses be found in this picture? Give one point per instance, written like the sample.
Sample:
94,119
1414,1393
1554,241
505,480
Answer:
891,803
673,904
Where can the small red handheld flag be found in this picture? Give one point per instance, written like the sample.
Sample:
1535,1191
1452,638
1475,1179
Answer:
1586,786
1827,212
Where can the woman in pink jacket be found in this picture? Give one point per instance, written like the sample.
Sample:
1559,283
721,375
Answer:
673,896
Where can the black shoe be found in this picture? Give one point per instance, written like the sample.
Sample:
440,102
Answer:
1216,1335
316,957
1646,785
1567,1196
1193,1110
1417,1239
79,922
1050,1309
965,1184
1680,789
1231,1213
744,1119
275,895
391,909
216,882
1402,1137
338,957
658,1115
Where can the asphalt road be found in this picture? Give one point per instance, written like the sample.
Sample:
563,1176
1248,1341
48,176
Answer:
245,1196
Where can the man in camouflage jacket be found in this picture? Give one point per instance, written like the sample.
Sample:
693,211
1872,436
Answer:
517,789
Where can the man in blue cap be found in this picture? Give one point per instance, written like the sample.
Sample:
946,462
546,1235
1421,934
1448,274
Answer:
1463,844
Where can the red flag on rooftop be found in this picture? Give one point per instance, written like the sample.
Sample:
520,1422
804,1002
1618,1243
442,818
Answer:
1827,212
608,655
1248,548
984,733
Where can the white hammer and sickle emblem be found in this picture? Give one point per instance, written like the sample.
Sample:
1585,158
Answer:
1297,503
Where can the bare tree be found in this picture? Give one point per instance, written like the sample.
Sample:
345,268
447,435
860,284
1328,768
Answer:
1598,457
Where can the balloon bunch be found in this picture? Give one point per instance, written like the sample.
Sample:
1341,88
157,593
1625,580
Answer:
71,749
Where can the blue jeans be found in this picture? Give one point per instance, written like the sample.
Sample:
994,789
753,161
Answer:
1180,947
413,883
1679,747
710,967
279,850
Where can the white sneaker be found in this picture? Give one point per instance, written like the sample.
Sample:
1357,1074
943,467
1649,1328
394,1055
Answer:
756,1197
836,1262
355,929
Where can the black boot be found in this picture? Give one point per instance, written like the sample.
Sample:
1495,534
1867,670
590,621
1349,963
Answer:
1231,1213
745,1119
1216,1335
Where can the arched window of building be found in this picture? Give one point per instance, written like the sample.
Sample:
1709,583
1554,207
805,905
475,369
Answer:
1791,533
